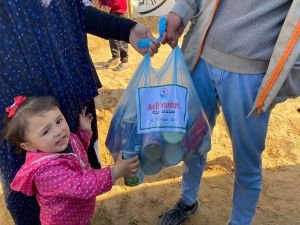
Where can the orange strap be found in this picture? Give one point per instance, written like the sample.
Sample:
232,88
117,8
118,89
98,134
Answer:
275,73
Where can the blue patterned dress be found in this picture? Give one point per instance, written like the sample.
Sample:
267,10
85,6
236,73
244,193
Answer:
43,51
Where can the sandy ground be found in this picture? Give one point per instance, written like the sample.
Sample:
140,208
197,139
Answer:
142,205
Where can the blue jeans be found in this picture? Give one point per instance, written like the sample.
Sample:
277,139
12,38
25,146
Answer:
236,94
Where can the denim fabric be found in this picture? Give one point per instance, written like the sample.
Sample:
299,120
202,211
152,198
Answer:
235,93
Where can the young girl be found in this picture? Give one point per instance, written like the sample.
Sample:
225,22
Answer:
56,169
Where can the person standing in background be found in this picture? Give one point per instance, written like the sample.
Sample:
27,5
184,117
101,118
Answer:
119,49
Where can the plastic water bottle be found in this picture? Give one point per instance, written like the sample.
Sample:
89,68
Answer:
131,147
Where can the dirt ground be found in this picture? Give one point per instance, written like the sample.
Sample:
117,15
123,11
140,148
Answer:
142,205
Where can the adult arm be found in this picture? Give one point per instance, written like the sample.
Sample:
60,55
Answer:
186,9
112,27
107,26
291,86
182,12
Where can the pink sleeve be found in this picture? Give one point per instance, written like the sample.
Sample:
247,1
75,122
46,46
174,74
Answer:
85,137
61,181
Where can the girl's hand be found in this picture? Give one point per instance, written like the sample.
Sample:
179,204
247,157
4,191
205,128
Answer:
85,120
125,167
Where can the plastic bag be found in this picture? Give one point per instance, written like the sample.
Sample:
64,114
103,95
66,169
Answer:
159,118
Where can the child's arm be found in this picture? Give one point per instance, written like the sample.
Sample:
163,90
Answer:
67,183
84,131
60,180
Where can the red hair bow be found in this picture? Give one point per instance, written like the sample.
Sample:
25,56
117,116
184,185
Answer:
11,110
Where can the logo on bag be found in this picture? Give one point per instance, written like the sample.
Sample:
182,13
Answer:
164,92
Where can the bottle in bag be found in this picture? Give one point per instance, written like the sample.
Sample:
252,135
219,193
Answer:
131,147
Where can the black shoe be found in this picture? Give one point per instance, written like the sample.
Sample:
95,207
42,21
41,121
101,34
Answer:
121,66
179,213
111,62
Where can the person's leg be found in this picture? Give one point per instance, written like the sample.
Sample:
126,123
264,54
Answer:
237,93
115,44
23,209
124,51
123,47
193,169
114,48
115,53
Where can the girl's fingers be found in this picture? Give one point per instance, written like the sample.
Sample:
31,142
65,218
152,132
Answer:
83,111
134,165
136,160
90,116
133,172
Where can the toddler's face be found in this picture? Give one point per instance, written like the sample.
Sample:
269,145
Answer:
47,132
